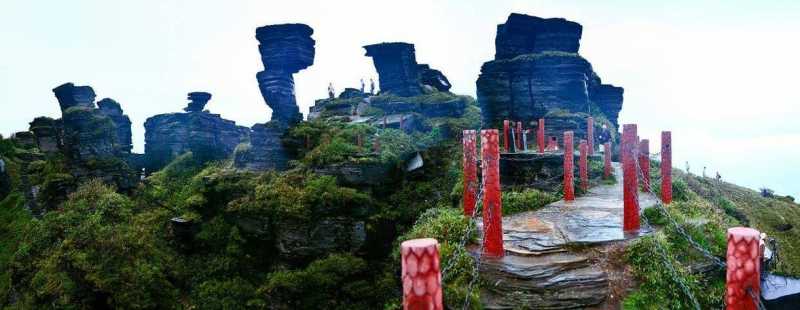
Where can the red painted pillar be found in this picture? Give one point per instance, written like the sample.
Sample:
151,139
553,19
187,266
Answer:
644,163
630,179
519,136
422,278
583,164
492,202
506,146
666,167
470,172
590,134
569,167
744,265
540,135
607,160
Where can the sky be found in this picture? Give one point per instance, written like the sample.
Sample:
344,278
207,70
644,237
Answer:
721,75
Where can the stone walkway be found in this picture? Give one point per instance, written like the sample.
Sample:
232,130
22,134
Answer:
543,267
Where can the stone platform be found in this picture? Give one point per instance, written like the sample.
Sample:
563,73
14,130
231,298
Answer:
545,265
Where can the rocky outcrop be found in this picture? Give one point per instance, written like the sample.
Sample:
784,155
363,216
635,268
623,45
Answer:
285,49
208,136
94,145
48,133
537,69
298,240
5,180
523,34
398,71
197,101
122,124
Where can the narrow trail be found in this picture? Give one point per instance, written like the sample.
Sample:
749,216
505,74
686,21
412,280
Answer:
546,265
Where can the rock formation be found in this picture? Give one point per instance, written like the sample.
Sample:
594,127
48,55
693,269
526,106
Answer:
122,124
95,141
285,49
208,136
48,133
399,73
537,69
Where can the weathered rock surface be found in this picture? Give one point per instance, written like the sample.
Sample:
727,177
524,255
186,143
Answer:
398,71
537,69
94,145
357,174
197,101
48,133
523,34
24,139
265,151
541,269
208,136
5,180
297,239
122,124
285,49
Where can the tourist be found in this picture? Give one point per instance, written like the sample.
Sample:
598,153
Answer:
371,86
362,86
330,90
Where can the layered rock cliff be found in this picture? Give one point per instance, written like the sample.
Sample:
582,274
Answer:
537,69
208,136
399,73
96,141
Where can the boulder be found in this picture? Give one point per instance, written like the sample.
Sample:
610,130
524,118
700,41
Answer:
197,101
397,68
349,93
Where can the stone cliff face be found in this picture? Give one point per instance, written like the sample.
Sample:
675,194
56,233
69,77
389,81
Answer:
48,133
398,71
537,69
208,136
96,141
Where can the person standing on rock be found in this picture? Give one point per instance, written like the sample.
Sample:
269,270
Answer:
371,86
362,86
330,90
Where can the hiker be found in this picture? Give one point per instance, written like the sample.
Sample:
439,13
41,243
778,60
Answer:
362,86
371,86
330,90
719,177
687,167
704,171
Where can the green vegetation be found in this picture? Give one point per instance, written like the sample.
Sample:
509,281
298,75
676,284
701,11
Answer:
528,199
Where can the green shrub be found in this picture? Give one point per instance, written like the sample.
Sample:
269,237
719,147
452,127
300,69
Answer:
528,199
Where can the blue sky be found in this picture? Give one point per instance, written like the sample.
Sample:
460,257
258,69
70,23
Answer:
722,75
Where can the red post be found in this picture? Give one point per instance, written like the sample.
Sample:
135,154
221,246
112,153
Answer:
607,160
569,167
492,202
583,147
506,147
630,179
540,135
644,163
666,167
744,266
470,171
519,136
422,278
590,134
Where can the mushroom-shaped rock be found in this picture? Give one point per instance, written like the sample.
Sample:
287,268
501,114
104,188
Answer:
69,95
197,101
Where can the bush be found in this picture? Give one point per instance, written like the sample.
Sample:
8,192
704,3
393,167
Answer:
528,199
